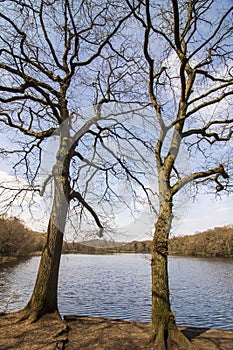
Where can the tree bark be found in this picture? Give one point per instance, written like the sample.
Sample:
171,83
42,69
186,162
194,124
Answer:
43,300
44,297
164,333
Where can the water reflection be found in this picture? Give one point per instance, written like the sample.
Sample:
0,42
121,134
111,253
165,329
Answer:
119,286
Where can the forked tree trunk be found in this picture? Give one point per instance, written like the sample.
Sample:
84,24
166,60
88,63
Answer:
164,333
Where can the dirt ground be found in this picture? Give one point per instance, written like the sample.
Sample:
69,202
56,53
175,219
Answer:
90,333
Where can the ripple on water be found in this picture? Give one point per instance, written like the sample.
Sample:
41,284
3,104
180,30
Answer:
119,286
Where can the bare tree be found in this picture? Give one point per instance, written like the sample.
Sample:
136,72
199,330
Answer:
48,52
55,57
190,86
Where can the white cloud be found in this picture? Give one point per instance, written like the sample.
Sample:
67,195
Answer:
206,213
17,201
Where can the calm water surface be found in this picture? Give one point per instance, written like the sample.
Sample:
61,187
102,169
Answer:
119,286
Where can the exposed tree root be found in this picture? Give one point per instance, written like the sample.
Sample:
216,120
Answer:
169,337
159,339
31,316
173,340
177,341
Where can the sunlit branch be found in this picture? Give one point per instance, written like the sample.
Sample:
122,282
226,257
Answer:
215,135
39,135
206,174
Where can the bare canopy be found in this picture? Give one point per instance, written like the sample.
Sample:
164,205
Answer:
170,63
187,47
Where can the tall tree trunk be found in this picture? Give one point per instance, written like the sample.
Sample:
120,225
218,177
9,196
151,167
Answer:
164,332
44,297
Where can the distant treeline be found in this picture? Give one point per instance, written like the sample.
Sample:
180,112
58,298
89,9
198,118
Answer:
106,247
17,240
214,242
217,242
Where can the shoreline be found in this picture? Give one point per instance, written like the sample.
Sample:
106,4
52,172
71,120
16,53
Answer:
87,332
9,259
110,333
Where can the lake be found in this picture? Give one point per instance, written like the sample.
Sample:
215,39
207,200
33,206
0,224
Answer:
119,286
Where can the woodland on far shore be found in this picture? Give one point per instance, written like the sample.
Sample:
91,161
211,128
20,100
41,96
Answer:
17,240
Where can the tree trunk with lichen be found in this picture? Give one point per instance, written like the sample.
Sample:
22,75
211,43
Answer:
164,333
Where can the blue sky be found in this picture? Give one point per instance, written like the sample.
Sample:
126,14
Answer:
205,212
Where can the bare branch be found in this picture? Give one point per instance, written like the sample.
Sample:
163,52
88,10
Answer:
78,196
205,175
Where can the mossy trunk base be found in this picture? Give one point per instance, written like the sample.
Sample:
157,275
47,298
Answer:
164,333
169,337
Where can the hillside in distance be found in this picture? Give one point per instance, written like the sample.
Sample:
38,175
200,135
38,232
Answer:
216,242
17,240
106,247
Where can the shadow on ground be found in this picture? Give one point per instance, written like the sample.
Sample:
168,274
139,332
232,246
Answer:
92,333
